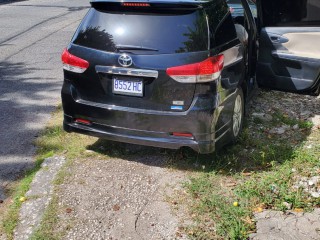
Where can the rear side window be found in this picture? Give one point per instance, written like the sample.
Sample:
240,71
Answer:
291,12
154,32
221,26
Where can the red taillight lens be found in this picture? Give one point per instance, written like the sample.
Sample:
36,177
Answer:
73,63
205,71
131,4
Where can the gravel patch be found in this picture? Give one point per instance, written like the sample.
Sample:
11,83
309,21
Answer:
295,106
119,199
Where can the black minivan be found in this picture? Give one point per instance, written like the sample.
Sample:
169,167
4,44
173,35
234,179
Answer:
174,74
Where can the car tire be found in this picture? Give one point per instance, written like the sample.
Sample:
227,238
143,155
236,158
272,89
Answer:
237,115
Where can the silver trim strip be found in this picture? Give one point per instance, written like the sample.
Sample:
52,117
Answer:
135,110
232,56
127,71
224,133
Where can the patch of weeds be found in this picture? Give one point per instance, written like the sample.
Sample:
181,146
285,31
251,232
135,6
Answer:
260,172
283,118
271,190
50,219
228,219
257,120
10,221
54,138
265,189
305,124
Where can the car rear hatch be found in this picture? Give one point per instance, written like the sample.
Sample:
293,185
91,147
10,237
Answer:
129,47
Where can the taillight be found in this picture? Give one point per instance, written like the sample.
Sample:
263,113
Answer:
73,63
206,71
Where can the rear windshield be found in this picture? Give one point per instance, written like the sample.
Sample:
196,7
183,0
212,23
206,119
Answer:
291,12
152,33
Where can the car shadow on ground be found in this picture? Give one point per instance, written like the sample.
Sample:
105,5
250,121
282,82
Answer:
10,1
263,143
22,106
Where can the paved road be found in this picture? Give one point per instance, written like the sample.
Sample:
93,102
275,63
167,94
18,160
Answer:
33,34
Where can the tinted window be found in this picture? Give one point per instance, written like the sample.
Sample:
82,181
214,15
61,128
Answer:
291,12
225,32
221,25
185,31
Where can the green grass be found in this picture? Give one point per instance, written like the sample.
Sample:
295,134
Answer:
54,138
265,189
283,118
211,202
50,218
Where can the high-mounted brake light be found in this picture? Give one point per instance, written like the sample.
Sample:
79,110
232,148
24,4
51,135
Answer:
131,4
73,63
205,71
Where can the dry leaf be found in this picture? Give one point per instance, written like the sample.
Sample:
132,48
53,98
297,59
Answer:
246,173
68,210
116,207
258,210
298,210
231,184
247,220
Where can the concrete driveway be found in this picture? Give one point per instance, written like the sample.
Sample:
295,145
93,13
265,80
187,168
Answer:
33,35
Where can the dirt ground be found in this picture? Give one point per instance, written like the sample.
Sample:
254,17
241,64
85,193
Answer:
120,198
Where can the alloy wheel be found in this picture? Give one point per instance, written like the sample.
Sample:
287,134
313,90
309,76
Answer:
237,115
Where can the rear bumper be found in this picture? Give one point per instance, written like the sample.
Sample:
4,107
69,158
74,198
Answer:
154,139
136,126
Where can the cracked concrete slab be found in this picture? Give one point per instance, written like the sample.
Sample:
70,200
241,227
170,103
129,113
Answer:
287,226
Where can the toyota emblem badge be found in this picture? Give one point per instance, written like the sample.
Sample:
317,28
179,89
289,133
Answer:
125,60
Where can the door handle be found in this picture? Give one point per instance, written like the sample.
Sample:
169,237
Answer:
274,39
278,39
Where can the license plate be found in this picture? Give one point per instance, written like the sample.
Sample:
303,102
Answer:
127,87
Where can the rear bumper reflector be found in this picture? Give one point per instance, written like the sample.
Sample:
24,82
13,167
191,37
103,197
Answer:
82,121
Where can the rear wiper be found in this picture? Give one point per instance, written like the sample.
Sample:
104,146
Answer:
132,47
